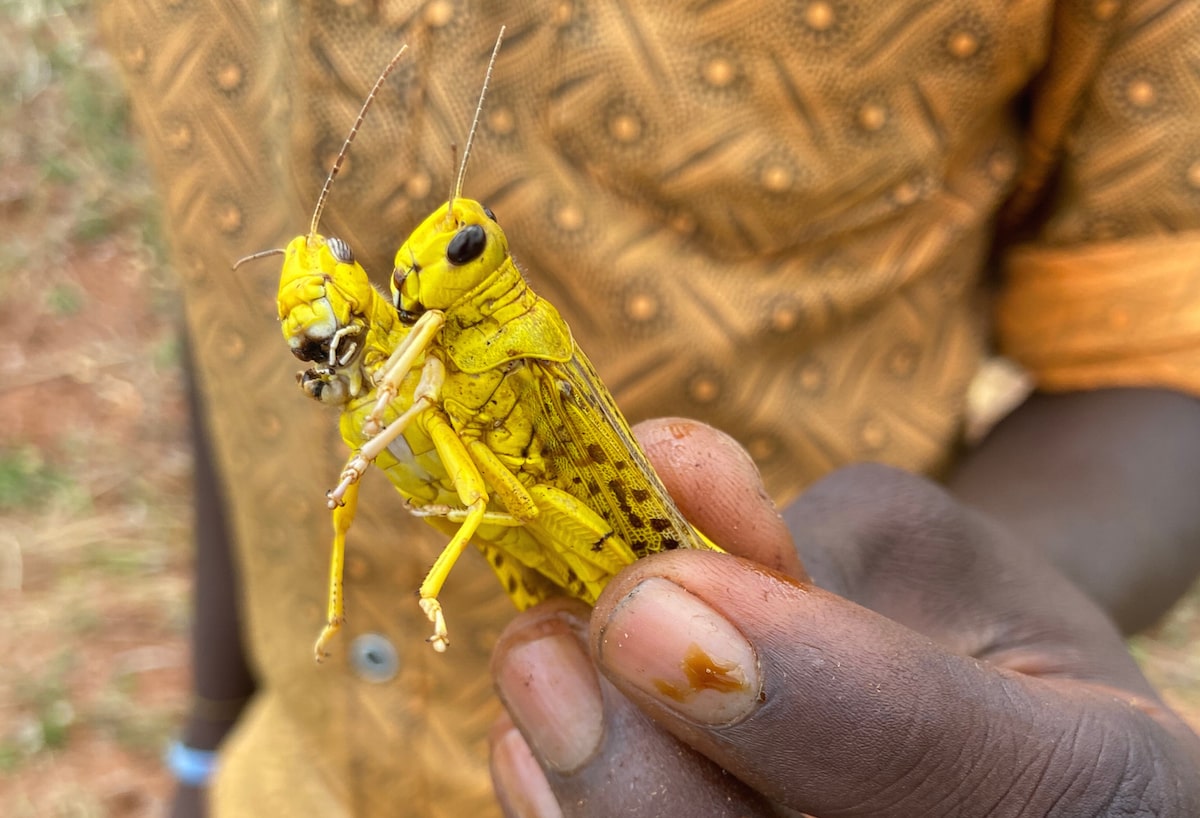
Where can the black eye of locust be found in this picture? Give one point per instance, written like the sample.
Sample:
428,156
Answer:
313,349
467,245
487,211
341,251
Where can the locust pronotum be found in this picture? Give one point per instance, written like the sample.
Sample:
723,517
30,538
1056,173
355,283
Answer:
472,396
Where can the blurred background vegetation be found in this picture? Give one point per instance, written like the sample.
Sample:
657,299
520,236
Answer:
94,466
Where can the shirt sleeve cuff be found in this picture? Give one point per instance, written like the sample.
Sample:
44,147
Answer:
1105,315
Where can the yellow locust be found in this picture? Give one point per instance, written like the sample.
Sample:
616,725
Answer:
469,393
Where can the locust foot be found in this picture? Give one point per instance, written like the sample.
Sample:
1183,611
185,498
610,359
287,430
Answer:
321,648
441,637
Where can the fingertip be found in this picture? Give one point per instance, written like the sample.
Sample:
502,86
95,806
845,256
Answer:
520,785
676,649
557,613
569,736
718,487
546,680
500,726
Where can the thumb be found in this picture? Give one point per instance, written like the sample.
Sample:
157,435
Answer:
829,708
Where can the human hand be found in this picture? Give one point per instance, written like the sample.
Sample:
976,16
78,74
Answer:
941,668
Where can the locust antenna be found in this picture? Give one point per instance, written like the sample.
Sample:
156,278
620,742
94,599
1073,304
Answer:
462,168
279,251
337,163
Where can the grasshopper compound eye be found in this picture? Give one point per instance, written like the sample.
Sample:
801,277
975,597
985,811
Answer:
467,245
341,251
312,349
487,211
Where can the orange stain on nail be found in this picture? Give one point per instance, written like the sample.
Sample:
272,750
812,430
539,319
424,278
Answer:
703,673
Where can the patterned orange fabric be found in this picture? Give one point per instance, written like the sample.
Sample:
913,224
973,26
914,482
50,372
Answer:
1108,314
774,216
1109,295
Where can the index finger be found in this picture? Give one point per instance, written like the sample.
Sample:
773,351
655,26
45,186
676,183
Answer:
718,488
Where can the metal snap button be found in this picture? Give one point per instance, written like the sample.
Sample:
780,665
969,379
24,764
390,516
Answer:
374,658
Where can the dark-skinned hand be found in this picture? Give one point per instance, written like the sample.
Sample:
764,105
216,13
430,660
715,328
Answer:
923,661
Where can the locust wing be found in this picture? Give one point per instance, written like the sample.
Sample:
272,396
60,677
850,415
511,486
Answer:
594,456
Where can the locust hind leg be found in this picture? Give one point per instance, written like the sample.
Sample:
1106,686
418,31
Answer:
584,544
335,614
472,491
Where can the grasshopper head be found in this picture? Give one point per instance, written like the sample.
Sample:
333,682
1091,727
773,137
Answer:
323,298
449,257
